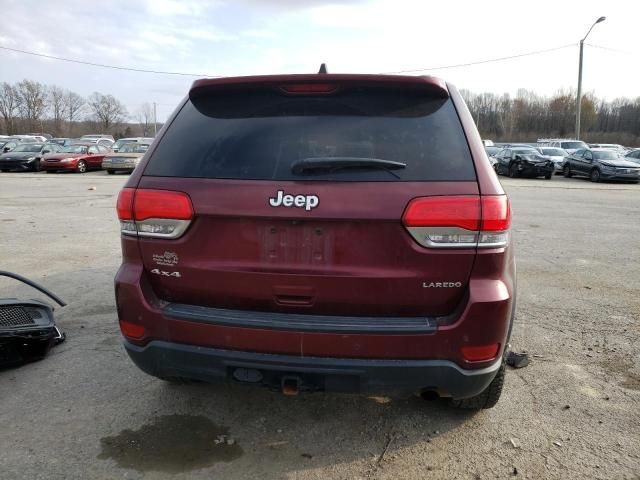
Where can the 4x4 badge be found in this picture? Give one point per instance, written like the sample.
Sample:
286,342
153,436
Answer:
307,202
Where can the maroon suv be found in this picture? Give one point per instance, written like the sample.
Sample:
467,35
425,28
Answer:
319,233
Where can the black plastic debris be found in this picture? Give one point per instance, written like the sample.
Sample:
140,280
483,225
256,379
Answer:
27,327
517,360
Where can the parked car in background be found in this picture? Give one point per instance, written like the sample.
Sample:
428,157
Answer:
26,156
10,145
145,140
105,142
622,151
59,140
633,156
47,136
93,137
600,164
567,145
487,143
78,158
30,138
523,161
491,152
126,159
556,155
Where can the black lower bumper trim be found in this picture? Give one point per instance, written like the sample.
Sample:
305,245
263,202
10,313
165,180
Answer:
302,322
166,359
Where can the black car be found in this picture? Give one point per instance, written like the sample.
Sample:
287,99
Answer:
26,156
523,162
600,164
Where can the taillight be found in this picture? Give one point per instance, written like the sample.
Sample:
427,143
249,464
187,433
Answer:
461,221
154,213
132,330
480,353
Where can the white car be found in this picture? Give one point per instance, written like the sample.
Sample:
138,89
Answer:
568,145
619,149
30,138
556,155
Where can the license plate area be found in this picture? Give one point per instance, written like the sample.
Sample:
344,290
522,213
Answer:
297,243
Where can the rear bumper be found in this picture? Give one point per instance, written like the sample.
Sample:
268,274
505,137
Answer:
118,166
347,375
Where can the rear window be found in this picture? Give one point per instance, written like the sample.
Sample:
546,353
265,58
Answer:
260,135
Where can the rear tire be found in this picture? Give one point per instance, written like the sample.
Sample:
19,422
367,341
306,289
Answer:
488,397
548,176
595,175
513,170
51,171
111,172
36,166
566,171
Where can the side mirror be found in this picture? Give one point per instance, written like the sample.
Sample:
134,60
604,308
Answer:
46,151
6,149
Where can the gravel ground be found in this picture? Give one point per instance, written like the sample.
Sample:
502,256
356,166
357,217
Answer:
86,412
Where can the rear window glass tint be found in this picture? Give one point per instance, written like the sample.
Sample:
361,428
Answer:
260,135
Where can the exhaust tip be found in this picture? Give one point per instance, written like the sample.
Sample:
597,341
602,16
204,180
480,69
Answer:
429,395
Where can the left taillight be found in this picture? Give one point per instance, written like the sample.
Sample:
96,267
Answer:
154,213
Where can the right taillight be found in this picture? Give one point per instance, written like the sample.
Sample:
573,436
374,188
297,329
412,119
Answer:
460,221
154,213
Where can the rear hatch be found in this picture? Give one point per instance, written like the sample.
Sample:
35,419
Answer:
298,192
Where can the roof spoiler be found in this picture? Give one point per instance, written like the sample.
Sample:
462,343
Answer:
434,86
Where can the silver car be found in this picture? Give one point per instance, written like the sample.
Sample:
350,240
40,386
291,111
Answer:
557,155
126,159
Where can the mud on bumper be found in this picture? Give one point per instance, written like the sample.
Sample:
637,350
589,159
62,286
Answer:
166,359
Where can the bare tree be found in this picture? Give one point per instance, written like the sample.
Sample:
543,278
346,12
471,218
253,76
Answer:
107,109
9,106
74,106
33,96
58,107
145,119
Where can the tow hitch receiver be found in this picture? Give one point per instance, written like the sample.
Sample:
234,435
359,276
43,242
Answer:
291,385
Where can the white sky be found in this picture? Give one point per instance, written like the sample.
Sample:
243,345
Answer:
244,37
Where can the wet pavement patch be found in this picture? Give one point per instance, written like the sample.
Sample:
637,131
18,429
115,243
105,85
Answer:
171,443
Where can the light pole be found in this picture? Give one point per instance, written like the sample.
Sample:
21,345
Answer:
579,98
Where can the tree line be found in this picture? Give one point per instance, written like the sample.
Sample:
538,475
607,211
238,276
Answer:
29,106
528,116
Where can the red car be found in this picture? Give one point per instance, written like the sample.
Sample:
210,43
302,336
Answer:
78,157
320,233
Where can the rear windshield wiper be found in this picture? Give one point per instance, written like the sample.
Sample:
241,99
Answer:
308,165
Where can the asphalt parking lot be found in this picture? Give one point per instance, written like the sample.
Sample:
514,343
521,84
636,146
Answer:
86,412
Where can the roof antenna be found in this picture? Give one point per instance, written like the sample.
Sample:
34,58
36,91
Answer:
323,68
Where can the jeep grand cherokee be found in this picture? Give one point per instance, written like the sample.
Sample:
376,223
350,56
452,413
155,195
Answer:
319,233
